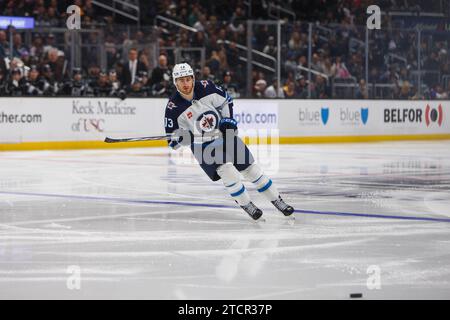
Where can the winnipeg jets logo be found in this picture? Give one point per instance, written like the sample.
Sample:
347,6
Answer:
204,83
171,105
207,122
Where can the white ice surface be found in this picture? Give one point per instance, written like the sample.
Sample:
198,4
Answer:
139,226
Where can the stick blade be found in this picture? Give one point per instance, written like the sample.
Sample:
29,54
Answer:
109,140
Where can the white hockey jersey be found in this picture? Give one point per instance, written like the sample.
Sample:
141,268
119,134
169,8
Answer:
201,115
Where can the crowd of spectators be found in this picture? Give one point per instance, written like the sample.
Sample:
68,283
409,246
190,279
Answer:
41,65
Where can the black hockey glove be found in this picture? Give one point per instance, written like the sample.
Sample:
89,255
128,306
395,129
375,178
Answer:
227,125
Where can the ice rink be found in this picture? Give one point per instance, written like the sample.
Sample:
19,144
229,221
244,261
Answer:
370,218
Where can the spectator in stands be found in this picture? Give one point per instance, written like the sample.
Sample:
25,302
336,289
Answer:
49,43
295,44
4,45
445,67
214,62
26,58
213,19
326,66
112,53
290,65
18,47
300,87
389,76
160,77
126,41
374,75
362,92
193,15
201,23
432,62
316,62
41,14
259,88
321,89
183,15
403,75
356,66
405,91
302,62
289,90
199,40
88,9
439,93
273,91
270,48
37,50
51,18
339,69
223,62
232,53
57,63
143,58
9,8
231,87
207,75
132,68
237,21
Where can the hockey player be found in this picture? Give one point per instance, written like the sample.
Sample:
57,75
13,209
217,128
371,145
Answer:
16,84
34,84
200,115
102,87
77,86
51,86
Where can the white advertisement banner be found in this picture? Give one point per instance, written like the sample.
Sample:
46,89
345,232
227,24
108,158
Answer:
83,119
256,118
64,119
363,117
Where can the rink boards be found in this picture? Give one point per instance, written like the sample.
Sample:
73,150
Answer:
72,123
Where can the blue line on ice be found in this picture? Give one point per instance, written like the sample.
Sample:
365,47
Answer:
191,204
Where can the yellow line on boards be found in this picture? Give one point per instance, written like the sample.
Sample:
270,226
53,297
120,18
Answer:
68,145
375,138
343,139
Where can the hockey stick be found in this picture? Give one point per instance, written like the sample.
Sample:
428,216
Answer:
111,140
165,137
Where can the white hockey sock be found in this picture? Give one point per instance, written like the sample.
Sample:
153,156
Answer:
232,181
263,183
